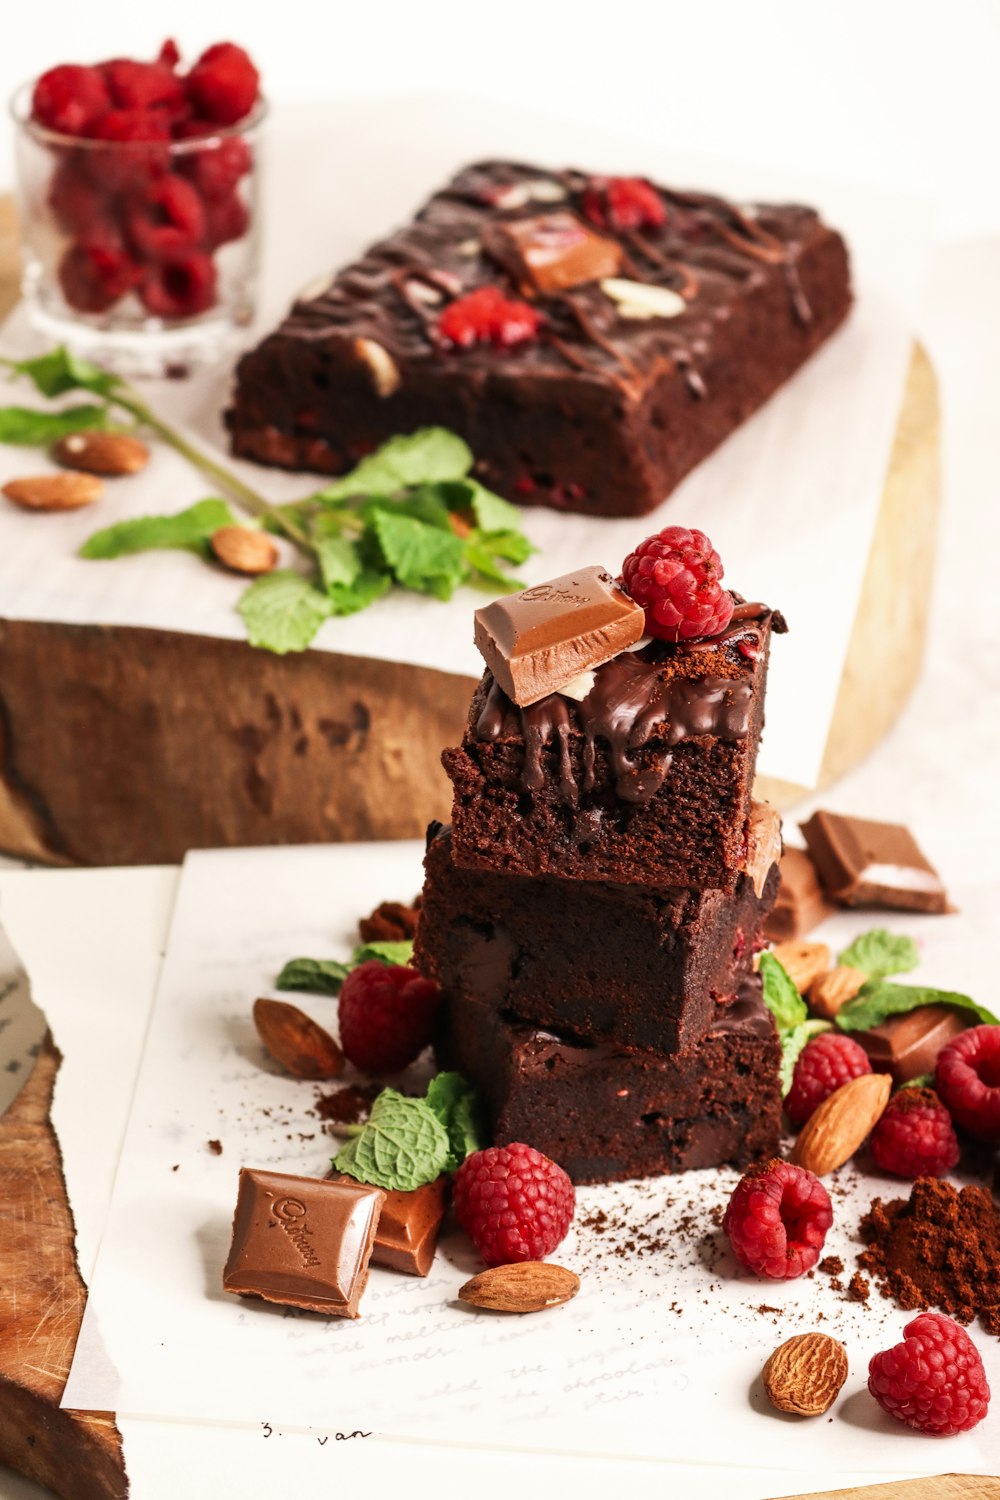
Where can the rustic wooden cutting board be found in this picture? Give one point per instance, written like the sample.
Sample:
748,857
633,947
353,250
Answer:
319,748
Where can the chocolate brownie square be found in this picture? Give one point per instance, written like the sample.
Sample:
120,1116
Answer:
637,965
647,781
606,1112
621,331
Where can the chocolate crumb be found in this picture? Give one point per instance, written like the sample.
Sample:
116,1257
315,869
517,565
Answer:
348,1105
390,922
831,1265
859,1288
215,1147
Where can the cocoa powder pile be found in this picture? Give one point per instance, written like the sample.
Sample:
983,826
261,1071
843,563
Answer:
938,1248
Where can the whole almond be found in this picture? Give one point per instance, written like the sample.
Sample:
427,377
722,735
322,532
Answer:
805,1375
55,491
244,549
295,1041
830,991
109,453
802,962
836,1128
527,1286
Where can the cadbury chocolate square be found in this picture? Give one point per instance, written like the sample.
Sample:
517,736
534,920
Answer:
302,1241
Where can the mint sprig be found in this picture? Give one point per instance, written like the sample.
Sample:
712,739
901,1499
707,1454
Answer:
877,1000
879,953
780,995
324,976
189,528
408,515
406,1142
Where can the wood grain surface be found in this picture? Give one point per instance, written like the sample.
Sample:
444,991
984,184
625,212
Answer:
122,746
77,1455
942,1487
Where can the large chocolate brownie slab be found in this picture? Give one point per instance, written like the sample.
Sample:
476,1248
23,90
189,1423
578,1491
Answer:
647,781
606,409
636,965
606,1113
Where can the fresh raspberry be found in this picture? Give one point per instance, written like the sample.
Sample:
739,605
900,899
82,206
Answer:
143,85
223,84
676,577
934,1380
217,167
967,1078
180,288
487,316
914,1136
513,1202
777,1220
387,1015
69,99
74,197
226,221
623,203
165,219
142,135
95,273
824,1064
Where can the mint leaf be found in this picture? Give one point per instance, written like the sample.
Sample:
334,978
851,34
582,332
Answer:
366,588
456,1104
792,1043
512,546
386,953
480,559
876,1001
313,976
420,556
283,611
492,512
338,558
879,953
35,429
403,1145
60,371
422,504
422,457
780,995
922,1081
189,528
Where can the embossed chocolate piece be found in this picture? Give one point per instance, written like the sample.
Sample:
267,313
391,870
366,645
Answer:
862,863
537,641
302,1241
907,1046
801,905
551,253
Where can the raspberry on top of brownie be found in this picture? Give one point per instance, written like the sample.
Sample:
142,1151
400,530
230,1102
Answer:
637,768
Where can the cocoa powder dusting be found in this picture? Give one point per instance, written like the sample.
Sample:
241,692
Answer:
938,1248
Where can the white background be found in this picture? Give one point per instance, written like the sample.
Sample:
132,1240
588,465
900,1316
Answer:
901,92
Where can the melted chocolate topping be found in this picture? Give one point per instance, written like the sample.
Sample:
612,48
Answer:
708,250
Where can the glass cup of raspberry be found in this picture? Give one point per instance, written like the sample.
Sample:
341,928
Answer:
141,233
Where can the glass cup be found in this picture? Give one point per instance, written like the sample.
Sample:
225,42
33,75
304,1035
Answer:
141,255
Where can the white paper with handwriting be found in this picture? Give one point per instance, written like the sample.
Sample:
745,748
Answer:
790,500
660,1354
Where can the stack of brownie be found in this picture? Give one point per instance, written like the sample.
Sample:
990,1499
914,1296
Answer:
592,912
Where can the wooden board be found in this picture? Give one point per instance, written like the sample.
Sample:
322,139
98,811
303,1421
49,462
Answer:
77,1455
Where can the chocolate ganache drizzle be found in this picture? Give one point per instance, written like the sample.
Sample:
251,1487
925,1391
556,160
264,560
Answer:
638,709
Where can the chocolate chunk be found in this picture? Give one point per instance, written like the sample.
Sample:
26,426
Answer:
907,1046
302,1241
873,864
552,252
539,640
408,1228
801,905
764,843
